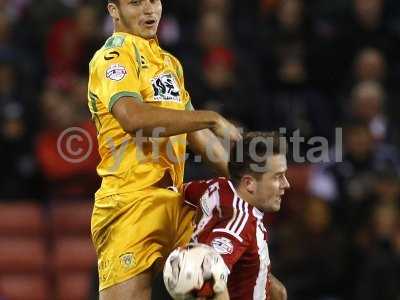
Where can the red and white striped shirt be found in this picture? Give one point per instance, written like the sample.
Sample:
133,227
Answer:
236,230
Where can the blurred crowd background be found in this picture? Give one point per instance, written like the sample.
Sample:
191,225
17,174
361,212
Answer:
312,66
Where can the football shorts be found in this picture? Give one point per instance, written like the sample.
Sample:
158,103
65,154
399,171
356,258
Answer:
132,232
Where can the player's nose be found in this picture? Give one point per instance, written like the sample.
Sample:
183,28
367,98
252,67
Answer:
286,184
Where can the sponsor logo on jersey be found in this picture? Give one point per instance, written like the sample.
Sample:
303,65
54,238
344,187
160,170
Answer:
222,245
143,62
116,72
111,55
165,88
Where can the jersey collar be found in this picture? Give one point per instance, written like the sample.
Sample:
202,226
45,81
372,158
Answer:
256,212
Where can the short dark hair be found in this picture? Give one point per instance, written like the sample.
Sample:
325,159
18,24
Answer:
249,155
113,1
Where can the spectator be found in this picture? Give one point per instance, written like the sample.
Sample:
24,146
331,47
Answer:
370,65
15,138
380,270
320,260
72,41
68,167
348,184
367,105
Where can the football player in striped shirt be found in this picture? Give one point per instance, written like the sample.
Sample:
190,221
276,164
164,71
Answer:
231,214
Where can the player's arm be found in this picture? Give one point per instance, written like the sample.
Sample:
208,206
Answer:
192,192
223,296
278,290
205,143
134,115
120,93
229,248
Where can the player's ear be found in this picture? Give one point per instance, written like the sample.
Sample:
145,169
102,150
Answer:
249,182
113,10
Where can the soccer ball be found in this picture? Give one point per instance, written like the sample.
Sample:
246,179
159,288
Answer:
195,270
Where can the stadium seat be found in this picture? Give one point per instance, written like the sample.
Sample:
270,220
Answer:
73,254
21,219
24,287
70,218
22,255
73,286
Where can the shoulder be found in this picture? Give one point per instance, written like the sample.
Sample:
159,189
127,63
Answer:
173,58
236,213
117,49
208,195
174,61
115,46
230,201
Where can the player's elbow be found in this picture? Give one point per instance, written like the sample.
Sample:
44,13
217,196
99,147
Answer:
132,126
140,126
283,293
280,293
278,290
130,115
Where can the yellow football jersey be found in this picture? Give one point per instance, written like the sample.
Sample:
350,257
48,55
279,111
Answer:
128,65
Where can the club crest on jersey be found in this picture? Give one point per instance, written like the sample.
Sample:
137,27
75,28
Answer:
165,88
116,72
222,245
127,260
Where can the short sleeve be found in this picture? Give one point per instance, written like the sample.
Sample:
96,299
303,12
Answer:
119,76
185,94
189,106
224,224
193,191
229,247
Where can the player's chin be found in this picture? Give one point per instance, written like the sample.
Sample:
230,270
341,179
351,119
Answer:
277,205
149,33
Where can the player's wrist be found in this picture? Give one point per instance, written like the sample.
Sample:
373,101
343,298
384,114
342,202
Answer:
210,118
216,119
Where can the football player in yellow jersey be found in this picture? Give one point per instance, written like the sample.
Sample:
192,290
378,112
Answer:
143,116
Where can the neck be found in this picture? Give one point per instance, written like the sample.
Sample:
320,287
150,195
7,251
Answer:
244,194
119,28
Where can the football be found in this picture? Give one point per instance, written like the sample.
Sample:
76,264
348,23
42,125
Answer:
193,271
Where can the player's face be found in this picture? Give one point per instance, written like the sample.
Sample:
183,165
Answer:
272,185
138,17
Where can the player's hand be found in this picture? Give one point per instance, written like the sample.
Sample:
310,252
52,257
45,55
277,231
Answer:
226,130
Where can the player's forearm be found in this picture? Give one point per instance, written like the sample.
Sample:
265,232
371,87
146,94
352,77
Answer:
163,122
206,144
174,122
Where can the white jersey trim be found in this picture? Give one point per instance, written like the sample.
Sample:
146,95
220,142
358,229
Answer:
264,261
205,219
